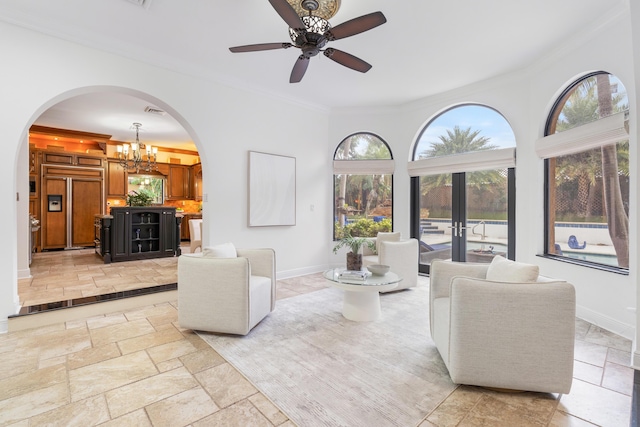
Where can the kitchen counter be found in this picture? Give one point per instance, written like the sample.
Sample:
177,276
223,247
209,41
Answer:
138,232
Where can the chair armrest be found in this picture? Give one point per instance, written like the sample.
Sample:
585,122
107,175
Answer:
214,293
262,261
198,272
512,335
441,272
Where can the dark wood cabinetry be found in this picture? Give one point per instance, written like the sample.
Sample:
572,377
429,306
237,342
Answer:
143,232
72,159
179,182
71,196
196,182
117,184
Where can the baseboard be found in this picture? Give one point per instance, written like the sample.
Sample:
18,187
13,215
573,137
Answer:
287,274
25,273
605,322
4,326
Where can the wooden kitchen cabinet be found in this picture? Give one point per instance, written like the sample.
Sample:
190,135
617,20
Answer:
143,233
72,159
178,182
196,182
117,179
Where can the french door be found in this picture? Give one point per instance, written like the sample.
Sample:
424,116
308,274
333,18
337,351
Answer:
465,216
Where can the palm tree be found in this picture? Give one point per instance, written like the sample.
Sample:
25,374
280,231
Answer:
458,141
372,188
617,218
591,100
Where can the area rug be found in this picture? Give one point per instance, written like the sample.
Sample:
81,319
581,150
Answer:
324,370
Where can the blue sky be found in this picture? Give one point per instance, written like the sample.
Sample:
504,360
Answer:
490,123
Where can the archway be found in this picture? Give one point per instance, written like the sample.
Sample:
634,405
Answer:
22,175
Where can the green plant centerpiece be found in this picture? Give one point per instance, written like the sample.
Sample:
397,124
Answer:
140,198
354,257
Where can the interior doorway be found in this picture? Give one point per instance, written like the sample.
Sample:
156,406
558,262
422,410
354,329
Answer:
71,130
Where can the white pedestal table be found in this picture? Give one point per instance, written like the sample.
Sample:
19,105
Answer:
362,297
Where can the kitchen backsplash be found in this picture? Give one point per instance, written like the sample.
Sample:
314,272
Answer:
191,206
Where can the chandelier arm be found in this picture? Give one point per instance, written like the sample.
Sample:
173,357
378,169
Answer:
137,162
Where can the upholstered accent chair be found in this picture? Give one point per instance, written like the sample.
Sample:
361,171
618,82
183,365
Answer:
195,235
500,325
400,255
226,290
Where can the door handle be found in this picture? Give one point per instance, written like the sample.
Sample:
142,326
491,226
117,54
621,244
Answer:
457,229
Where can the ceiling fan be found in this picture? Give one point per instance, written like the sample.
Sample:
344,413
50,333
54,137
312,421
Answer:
310,33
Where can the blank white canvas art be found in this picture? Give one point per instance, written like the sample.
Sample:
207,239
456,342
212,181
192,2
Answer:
272,189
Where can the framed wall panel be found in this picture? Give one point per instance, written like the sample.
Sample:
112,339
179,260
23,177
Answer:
272,190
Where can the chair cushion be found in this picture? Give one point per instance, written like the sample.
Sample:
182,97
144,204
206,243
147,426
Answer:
386,237
505,270
225,250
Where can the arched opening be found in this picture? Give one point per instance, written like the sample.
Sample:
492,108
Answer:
78,134
463,186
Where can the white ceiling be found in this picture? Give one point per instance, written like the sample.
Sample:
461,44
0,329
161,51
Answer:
426,47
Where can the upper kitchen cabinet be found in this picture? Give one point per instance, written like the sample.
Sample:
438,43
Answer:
117,184
72,159
179,182
196,181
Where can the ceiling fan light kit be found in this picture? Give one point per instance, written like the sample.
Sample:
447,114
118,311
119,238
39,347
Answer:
309,30
325,9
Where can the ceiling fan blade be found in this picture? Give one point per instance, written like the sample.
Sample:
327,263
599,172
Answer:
356,26
288,14
348,60
299,68
258,47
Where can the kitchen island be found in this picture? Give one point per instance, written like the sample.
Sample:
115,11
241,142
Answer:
134,233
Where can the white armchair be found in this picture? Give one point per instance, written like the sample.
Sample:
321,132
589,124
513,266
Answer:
400,255
229,294
515,331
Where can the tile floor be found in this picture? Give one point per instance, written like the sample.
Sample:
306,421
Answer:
139,367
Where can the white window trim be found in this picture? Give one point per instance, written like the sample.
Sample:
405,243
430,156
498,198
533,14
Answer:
605,131
466,162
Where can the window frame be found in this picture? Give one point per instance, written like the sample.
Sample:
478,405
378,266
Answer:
549,129
359,173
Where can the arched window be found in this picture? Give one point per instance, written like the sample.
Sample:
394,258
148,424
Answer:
463,174
586,152
363,186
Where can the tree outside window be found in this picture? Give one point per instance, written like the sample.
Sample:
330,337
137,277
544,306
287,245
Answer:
363,201
588,191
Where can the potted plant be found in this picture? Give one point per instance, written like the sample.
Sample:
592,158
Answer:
140,198
354,257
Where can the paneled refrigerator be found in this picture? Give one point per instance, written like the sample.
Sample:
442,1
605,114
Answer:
72,196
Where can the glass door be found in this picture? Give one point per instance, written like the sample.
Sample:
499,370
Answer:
464,216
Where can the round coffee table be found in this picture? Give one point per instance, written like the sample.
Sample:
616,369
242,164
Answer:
362,297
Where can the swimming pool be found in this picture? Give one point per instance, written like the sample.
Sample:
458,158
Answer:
606,259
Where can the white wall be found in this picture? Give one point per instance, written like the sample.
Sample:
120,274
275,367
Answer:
225,123
37,71
525,98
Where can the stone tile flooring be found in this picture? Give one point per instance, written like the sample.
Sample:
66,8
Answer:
140,368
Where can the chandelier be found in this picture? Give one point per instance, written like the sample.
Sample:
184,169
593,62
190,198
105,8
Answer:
137,163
